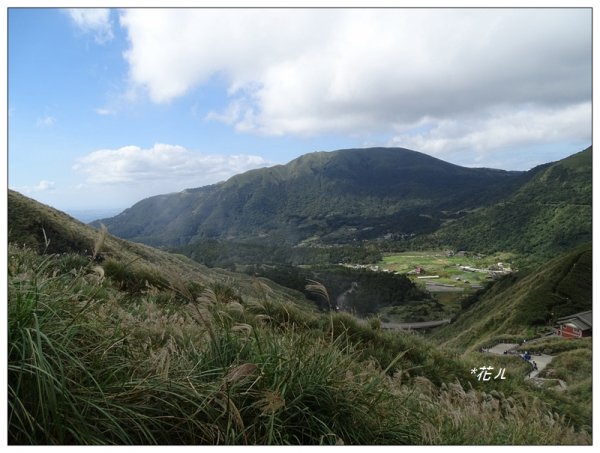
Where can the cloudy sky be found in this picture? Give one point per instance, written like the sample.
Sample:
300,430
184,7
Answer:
108,106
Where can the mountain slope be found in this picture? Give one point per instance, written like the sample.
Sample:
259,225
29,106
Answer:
549,215
91,364
48,230
94,361
336,196
518,303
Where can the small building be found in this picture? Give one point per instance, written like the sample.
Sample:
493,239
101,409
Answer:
418,270
575,326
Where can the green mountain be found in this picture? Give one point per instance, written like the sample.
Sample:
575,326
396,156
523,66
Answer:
549,215
334,197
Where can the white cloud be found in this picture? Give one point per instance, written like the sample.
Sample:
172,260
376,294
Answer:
95,21
498,129
105,111
42,186
46,121
169,167
371,72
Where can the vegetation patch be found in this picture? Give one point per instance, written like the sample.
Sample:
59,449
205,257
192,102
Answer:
90,363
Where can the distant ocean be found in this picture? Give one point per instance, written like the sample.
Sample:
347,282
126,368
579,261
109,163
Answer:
89,215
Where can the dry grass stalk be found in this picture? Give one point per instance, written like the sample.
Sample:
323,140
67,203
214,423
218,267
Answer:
177,284
262,288
208,297
226,403
46,240
99,240
318,289
272,402
242,327
240,372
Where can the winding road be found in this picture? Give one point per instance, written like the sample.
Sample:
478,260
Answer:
414,325
541,360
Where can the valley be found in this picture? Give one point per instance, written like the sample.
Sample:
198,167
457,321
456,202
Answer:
268,310
291,225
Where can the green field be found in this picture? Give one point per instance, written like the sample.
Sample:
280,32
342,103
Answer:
451,285
438,263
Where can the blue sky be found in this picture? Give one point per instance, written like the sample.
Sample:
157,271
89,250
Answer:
106,107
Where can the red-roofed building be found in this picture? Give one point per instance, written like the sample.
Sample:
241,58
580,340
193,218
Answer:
575,326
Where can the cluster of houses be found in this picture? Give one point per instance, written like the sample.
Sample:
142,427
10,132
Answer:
370,267
494,271
450,253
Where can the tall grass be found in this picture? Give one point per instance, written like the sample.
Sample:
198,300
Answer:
91,363
454,415
99,242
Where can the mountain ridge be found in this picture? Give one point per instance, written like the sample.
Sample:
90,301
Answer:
548,215
338,196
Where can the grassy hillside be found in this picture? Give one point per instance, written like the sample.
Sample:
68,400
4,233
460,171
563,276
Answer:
548,216
521,305
90,363
47,230
572,363
168,352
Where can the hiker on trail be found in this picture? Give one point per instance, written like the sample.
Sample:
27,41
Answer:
535,365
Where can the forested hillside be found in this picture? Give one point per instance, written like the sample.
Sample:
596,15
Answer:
328,197
549,215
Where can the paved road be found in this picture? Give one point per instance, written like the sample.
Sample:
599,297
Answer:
541,360
500,348
433,288
414,325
